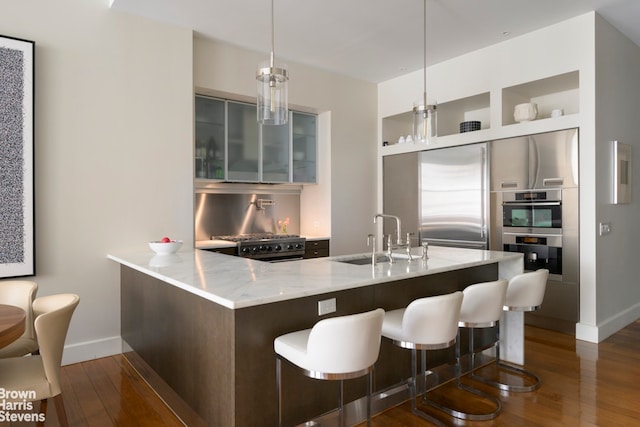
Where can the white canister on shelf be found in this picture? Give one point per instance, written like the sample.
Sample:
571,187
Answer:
525,112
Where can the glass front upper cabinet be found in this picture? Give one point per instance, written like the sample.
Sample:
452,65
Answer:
304,141
243,142
210,138
232,146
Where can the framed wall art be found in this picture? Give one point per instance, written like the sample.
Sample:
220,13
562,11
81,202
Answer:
17,244
622,177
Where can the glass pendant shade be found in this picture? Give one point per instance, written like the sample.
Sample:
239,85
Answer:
272,99
425,123
273,106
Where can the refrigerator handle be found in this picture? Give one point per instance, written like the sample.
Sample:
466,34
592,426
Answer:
483,195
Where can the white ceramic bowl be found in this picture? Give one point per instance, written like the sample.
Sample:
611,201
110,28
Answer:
165,248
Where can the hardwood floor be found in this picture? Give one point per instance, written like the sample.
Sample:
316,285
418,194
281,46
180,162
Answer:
583,384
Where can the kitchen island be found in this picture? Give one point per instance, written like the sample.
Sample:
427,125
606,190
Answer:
199,326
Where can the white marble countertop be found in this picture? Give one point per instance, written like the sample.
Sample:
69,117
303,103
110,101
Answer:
236,282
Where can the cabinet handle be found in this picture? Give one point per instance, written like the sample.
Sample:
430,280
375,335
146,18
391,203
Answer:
508,184
552,182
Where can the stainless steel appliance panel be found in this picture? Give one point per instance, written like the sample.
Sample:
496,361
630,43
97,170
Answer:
400,192
510,164
545,160
553,159
454,197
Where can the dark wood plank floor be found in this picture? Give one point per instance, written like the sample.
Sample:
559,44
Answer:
584,384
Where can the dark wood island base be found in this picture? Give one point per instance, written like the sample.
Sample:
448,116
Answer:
216,366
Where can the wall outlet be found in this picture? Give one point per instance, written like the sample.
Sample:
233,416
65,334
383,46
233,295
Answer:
326,306
605,228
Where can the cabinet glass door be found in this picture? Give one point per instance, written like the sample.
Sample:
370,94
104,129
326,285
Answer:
243,142
304,141
209,130
275,153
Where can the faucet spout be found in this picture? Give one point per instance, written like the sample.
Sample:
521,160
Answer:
398,230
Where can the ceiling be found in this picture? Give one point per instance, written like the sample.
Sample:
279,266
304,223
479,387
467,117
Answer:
374,40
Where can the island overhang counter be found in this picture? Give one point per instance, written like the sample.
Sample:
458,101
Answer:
199,326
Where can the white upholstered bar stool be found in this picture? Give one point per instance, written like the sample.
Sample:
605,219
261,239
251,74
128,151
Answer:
525,292
20,293
429,323
481,308
337,348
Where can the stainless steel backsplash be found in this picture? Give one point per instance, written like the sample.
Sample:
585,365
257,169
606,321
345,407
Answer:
227,214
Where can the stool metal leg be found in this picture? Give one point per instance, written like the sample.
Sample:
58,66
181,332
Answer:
369,391
502,365
279,389
414,392
340,411
465,415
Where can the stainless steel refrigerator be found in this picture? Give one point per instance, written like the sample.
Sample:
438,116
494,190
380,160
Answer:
440,195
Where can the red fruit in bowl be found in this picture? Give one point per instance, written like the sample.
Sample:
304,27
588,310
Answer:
165,240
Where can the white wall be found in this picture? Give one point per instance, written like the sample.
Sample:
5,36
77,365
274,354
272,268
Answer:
343,204
617,95
113,150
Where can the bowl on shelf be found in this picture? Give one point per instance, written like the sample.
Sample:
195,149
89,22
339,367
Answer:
470,126
165,248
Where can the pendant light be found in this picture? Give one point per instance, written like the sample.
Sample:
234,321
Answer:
424,113
272,105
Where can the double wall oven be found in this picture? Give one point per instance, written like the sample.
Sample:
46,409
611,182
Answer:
532,225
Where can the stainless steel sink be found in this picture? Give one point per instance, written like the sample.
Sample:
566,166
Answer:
365,260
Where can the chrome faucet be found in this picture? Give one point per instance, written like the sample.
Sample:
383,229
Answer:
398,231
398,245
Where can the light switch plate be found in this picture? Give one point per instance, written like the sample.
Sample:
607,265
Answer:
326,306
605,228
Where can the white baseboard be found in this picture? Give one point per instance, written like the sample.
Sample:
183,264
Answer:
89,350
609,327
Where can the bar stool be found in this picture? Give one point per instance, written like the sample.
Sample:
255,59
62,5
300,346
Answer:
525,293
481,308
338,348
429,323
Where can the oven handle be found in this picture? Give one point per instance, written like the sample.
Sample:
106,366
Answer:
293,258
506,233
531,203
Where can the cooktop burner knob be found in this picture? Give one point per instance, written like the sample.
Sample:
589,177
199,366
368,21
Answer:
269,248
278,247
298,245
289,246
245,250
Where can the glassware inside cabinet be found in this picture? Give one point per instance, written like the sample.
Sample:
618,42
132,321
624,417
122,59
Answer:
209,138
304,136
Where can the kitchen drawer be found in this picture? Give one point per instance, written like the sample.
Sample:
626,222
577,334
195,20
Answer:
316,248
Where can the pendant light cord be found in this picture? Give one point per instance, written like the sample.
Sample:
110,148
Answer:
273,37
425,54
